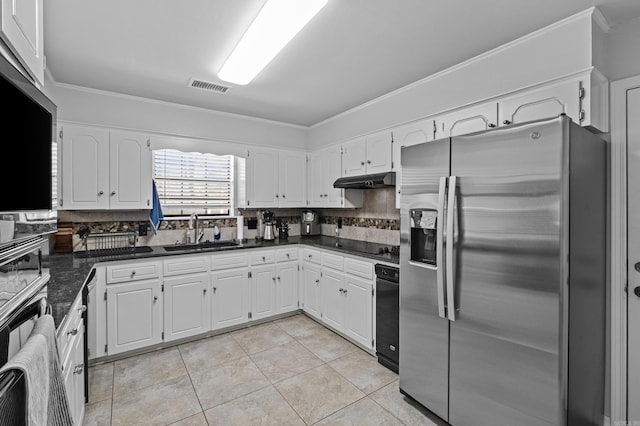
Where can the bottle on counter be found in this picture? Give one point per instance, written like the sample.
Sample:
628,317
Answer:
216,233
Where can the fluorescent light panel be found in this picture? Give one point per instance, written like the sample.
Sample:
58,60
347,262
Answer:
276,24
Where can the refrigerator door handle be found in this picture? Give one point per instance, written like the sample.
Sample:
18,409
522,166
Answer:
450,280
440,266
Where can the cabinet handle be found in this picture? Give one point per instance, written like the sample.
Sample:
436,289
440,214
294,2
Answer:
491,125
344,291
368,161
362,163
318,281
264,259
279,279
113,193
341,290
155,299
72,332
274,279
309,256
83,308
204,291
283,196
78,369
288,256
277,196
507,122
325,195
100,193
133,273
214,289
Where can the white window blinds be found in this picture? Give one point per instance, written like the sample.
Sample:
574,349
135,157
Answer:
193,182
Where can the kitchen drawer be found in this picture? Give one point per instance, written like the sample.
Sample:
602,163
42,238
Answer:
333,261
358,268
71,326
237,259
313,256
263,257
128,272
178,265
286,254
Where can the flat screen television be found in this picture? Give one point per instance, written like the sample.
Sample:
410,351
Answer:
28,125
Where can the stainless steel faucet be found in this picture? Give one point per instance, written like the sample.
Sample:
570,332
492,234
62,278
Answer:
194,219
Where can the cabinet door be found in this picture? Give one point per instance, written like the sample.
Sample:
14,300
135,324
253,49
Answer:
293,179
408,135
354,158
333,298
311,285
78,373
22,31
379,153
262,176
263,291
468,120
287,287
543,102
230,296
315,179
358,321
134,315
129,171
187,306
85,168
332,165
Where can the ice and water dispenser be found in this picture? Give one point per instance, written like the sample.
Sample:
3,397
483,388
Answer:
423,235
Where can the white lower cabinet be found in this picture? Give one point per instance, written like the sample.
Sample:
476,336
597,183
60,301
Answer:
263,291
71,346
287,287
311,289
332,292
230,298
134,315
358,307
187,306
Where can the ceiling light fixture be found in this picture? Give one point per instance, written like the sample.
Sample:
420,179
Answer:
276,24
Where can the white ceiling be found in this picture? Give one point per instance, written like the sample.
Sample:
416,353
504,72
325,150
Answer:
351,52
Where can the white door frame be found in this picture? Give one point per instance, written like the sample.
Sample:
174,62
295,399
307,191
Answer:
619,247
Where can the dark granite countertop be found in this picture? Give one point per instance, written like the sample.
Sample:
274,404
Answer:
69,271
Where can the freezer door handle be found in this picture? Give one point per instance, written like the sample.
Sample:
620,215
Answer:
440,247
450,279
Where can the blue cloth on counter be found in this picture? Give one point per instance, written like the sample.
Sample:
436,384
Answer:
155,215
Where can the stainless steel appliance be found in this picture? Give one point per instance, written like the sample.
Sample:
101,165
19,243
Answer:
269,226
310,224
30,124
502,292
387,315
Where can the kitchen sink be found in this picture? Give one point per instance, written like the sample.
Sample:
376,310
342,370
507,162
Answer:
205,246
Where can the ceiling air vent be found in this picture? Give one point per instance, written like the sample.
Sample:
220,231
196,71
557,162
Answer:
208,86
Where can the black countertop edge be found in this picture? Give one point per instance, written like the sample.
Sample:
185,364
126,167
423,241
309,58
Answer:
69,271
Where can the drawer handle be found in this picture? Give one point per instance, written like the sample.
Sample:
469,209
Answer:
288,256
264,259
133,273
83,308
72,332
78,369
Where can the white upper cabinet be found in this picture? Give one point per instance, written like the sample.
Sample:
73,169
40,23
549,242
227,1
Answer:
372,154
408,135
21,29
468,120
104,170
276,178
583,98
325,166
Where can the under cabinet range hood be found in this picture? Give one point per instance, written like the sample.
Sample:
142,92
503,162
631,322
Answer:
376,180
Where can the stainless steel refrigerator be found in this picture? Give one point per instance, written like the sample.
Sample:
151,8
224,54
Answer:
502,284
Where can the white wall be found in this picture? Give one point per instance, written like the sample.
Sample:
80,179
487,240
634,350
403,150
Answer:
623,50
552,52
127,112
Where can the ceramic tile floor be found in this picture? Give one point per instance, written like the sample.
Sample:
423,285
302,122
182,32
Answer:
291,371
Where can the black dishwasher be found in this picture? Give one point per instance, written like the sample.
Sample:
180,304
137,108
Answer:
387,315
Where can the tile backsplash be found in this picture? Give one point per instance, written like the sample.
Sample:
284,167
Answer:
377,221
